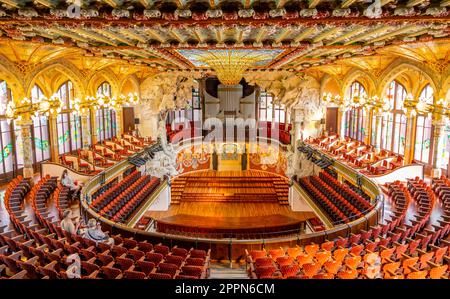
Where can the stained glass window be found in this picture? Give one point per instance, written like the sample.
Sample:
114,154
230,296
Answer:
40,134
68,123
105,118
355,119
423,129
394,123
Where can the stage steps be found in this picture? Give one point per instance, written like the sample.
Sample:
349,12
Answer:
247,186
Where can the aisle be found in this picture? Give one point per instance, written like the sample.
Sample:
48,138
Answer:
223,271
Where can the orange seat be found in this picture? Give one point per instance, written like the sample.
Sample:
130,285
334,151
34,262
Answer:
417,275
353,261
304,259
328,246
438,272
332,266
410,262
348,274
339,254
322,256
311,269
294,252
311,249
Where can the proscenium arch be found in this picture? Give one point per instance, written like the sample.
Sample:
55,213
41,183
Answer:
67,70
399,67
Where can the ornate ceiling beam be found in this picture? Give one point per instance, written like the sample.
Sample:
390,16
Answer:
181,3
115,36
69,34
198,34
303,35
114,3
14,3
239,35
281,3
283,34
94,36
247,3
325,34
347,3
47,3
133,35
384,2
367,34
347,35
314,3
260,34
155,35
147,3
392,34
412,3
213,3
177,36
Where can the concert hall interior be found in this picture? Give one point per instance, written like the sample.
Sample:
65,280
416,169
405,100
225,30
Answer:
225,139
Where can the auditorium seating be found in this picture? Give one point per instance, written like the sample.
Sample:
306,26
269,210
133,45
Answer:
119,202
358,155
40,250
338,200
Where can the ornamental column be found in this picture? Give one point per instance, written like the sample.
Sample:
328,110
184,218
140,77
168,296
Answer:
411,120
119,122
53,131
94,132
368,125
438,143
26,126
378,129
85,132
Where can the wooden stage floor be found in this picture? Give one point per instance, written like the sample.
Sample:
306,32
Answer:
229,215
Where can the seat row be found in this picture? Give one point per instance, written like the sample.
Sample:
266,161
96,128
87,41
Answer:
109,195
43,250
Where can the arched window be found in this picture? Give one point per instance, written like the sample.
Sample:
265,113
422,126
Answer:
394,123
423,129
68,124
269,111
41,144
355,124
7,145
105,118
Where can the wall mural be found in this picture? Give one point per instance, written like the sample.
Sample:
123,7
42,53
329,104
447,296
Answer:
193,158
268,158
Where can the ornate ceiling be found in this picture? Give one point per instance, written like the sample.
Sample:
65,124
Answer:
306,34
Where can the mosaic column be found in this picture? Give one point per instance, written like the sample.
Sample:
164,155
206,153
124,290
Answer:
94,134
54,144
410,136
368,126
438,141
378,129
119,122
85,132
25,131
